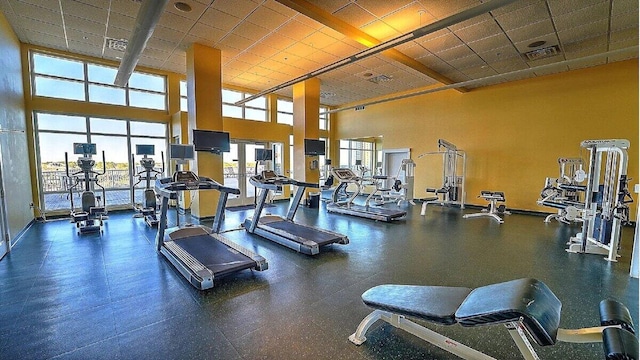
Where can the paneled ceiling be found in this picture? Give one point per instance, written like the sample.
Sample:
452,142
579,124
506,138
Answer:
265,43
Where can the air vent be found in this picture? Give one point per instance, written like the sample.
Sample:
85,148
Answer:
542,53
359,108
326,94
117,44
381,78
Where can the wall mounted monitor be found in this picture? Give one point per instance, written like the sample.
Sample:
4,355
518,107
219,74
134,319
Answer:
211,141
145,149
264,154
181,152
314,147
84,149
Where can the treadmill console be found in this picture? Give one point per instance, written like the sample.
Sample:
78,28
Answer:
186,178
270,176
344,174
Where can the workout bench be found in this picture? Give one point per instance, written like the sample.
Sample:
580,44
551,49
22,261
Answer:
493,197
527,307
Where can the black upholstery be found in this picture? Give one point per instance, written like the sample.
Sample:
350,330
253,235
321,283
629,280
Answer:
615,313
432,303
619,344
527,299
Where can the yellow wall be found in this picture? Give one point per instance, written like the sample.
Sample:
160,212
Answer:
513,133
13,134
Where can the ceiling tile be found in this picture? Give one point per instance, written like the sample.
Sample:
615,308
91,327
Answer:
197,9
251,31
238,8
40,13
267,18
550,71
516,6
42,27
471,61
471,22
85,37
300,49
122,21
236,41
207,32
48,40
219,20
296,29
624,21
559,7
263,50
509,65
319,40
50,5
584,32
587,63
118,33
408,18
623,35
548,40
330,5
176,22
443,8
380,30
382,8
478,31
531,31
582,16
72,22
277,41
624,6
125,7
446,41
85,11
354,15
491,42
533,13
575,51
455,53
167,34
86,48
499,54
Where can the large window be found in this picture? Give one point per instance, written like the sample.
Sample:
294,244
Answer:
116,137
65,78
285,112
324,118
183,96
357,155
251,110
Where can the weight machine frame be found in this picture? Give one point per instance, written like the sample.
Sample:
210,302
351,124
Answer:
451,155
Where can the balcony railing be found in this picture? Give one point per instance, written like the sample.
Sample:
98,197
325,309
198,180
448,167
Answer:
56,181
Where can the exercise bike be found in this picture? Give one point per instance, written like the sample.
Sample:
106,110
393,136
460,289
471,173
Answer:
92,214
149,207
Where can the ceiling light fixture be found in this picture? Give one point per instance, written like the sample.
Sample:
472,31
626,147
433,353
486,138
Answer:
535,44
182,6
420,32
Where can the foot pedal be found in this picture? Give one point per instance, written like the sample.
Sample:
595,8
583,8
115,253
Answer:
613,312
619,344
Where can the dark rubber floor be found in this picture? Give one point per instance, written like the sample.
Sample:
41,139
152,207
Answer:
112,297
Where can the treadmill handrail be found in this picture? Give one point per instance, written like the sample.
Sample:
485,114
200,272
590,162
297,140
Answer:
168,188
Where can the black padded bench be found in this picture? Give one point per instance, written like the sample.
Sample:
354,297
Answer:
523,304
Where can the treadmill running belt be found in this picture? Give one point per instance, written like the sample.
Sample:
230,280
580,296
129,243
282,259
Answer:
215,255
378,210
304,232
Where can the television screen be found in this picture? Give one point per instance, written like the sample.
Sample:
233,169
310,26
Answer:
145,150
314,147
84,148
264,154
181,152
213,141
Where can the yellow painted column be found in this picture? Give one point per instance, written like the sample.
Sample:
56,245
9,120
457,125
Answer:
306,109
204,103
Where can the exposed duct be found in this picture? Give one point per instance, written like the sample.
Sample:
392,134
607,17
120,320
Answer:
148,16
415,34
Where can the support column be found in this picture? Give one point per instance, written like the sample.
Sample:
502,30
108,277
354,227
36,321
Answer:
204,102
306,109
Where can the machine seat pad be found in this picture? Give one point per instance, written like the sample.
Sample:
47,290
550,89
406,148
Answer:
554,204
436,304
528,300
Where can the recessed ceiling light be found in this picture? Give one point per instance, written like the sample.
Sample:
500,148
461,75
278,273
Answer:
367,74
537,43
182,6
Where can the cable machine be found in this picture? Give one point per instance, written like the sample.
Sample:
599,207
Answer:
454,164
565,190
607,197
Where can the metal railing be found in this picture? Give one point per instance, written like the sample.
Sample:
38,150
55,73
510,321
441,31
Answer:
56,180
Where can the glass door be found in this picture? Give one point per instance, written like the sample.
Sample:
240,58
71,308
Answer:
239,165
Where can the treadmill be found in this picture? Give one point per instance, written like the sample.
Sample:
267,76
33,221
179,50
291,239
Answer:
347,176
200,254
301,238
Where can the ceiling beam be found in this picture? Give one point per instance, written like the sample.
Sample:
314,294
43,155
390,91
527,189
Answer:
327,19
389,44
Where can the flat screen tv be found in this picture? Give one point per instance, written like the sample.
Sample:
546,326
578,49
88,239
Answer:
264,154
314,147
181,152
84,148
145,149
211,141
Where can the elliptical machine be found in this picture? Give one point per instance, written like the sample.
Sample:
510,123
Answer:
91,215
149,207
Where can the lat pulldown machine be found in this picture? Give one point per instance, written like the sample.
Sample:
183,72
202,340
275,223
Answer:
563,192
606,199
452,190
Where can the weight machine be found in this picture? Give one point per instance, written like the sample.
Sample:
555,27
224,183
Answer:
391,189
452,191
606,202
91,215
564,191
149,207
